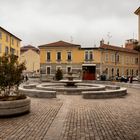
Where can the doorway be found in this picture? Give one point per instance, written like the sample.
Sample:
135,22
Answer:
89,72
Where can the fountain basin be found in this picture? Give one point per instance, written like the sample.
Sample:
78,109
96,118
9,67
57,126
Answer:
104,94
71,90
38,93
88,90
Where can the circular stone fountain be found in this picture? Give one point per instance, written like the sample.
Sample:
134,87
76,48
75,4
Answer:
77,89
73,87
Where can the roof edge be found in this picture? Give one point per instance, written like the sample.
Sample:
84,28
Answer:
10,33
137,11
53,44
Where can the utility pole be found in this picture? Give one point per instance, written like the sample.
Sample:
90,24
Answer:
108,36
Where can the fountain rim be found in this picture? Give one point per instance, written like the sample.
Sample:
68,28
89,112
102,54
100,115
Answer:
51,87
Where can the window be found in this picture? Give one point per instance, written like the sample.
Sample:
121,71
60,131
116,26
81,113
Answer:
6,50
58,56
7,38
112,58
127,72
117,58
118,72
48,56
122,59
0,48
131,60
112,71
136,60
12,41
0,35
12,51
48,70
69,57
106,57
127,60
88,55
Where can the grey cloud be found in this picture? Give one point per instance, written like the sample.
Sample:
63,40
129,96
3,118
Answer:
42,21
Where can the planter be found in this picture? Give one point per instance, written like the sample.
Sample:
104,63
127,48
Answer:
15,107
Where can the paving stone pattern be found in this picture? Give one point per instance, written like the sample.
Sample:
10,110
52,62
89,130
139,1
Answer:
71,117
33,126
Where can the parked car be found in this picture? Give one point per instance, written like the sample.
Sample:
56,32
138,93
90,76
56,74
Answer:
124,79
135,78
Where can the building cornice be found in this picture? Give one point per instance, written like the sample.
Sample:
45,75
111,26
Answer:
137,12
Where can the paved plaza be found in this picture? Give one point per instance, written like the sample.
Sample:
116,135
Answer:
73,118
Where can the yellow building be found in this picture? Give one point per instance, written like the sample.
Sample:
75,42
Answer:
9,43
30,55
69,58
89,63
118,61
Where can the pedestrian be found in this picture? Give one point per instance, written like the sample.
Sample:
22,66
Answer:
26,78
131,79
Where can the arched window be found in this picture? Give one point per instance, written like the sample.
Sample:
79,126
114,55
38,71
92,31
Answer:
112,71
127,73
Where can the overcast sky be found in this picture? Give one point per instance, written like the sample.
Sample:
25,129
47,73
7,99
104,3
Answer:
83,22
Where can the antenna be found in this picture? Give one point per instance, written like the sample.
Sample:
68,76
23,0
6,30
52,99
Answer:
71,39
108,36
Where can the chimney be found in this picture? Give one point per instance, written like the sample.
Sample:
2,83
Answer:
101,42
131,43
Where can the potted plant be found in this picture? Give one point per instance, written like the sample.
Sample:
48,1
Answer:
12,102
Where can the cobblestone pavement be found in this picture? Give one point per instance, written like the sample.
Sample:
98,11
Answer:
34,125
73,118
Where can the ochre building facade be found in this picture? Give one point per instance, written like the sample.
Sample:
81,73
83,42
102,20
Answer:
9,43
89,63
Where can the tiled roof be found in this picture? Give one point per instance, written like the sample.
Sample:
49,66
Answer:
59,44
116,48
10,33
137,11
26,48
